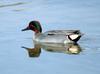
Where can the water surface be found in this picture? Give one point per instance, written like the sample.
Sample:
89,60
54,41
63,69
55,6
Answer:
53,14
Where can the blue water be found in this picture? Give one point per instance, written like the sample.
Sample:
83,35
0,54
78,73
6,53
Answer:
53,14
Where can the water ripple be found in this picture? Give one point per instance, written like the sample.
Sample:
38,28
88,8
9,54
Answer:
14,4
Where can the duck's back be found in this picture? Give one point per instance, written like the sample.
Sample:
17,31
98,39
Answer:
65,32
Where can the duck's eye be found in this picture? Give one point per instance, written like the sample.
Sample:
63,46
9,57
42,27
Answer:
31,27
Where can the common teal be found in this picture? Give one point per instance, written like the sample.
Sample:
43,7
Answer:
53,36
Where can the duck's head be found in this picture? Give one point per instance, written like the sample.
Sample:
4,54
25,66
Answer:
34,26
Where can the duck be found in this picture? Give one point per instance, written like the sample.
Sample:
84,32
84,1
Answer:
53,36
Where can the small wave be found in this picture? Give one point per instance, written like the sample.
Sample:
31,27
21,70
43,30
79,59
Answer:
14,4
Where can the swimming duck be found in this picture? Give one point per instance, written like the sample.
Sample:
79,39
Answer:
53,36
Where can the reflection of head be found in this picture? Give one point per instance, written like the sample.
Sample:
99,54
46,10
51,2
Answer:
33,52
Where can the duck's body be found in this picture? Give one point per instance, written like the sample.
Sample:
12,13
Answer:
53,36
45,38
56,36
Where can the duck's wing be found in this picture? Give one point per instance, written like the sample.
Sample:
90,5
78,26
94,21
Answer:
64,32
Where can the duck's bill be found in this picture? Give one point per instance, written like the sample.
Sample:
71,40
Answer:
26,29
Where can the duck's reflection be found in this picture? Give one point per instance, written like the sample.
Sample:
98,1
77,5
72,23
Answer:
33,52
60,48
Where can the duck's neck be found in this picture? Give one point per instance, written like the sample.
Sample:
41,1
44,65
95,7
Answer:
37,34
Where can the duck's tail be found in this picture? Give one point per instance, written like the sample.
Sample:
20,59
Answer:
75,37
